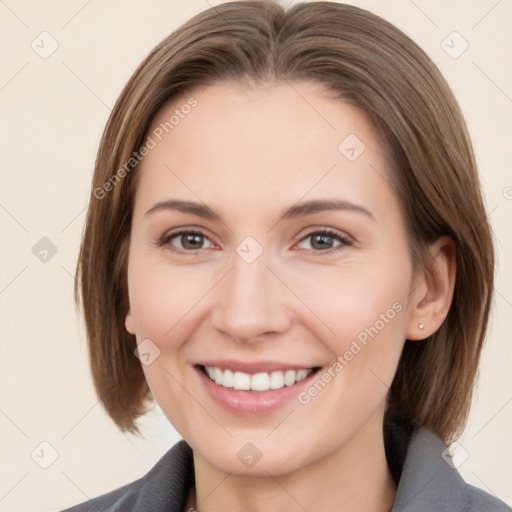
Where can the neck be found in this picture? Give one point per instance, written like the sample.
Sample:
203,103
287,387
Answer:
354,477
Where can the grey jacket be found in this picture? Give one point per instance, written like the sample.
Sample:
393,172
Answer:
426,483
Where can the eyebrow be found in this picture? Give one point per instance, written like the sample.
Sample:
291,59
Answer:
295,211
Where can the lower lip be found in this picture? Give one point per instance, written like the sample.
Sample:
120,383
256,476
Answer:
252,403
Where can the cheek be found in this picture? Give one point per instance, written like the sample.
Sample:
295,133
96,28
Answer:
366,347
163,297
349,299
165,304
361,311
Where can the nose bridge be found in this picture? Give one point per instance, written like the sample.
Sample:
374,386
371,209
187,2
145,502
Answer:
249,302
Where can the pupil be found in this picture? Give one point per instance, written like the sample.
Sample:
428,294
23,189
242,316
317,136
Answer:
189,241
325,240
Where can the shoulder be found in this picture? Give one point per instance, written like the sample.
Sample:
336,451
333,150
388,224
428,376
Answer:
121,499
430,480
164,488
478,500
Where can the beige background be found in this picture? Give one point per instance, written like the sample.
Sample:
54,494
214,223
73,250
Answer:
53,111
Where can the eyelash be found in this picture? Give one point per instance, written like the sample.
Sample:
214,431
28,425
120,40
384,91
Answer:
345,241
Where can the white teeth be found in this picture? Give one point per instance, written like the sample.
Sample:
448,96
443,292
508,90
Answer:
276,380
228,380
217,375
260,382
257,382
289,377
301,375
240,381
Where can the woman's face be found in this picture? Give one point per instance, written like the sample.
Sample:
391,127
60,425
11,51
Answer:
265,239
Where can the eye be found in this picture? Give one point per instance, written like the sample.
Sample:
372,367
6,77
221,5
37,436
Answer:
185,241
324,241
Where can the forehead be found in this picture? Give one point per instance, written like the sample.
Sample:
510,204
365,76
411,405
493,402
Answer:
286,138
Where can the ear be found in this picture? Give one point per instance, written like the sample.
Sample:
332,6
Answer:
433,292
129,323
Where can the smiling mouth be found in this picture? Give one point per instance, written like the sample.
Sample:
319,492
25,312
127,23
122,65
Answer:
259,382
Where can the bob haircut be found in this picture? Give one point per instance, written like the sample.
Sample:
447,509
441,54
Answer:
365,61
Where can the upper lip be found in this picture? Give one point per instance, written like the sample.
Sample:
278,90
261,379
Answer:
254,367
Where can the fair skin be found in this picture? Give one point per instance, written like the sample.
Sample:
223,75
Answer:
249,154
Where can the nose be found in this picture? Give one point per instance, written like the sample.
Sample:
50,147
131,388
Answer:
250,302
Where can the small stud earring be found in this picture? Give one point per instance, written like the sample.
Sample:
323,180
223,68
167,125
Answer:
421,326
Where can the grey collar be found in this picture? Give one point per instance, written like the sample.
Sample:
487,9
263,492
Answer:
426,483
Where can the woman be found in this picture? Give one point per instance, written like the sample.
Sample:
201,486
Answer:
286,247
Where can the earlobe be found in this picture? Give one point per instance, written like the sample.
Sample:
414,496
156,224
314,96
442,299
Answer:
129,323
432,297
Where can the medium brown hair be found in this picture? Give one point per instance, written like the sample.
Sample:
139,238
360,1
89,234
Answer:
371,64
